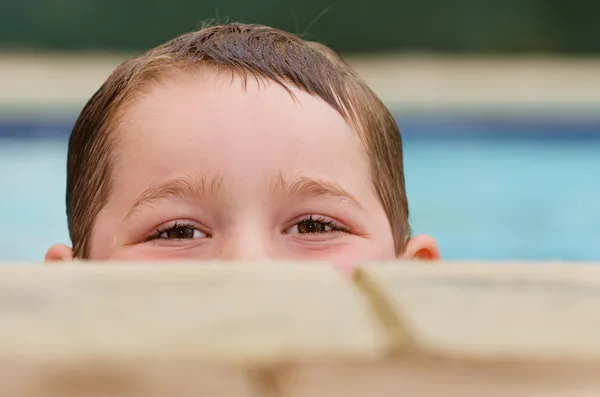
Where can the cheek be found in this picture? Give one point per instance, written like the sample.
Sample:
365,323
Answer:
352,256
146,252
135,254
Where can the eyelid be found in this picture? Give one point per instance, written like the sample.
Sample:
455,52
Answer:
319,218
177,222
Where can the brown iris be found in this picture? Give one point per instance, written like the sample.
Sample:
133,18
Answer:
179,233
311,227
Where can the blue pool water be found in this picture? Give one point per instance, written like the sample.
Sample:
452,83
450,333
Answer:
485,189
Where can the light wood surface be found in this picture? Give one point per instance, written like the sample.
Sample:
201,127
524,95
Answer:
300,329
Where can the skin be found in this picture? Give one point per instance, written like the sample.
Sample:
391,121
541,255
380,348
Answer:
242,173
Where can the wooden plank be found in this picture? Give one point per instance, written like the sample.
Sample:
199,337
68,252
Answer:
428,377
499,311
61,324
299,330
240,313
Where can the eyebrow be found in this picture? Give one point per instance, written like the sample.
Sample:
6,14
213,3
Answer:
181,187
202,185
302,186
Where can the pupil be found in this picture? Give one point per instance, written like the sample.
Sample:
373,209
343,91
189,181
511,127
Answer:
311,227
180,233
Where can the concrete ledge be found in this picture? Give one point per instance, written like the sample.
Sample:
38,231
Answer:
300,330
51,83
490,85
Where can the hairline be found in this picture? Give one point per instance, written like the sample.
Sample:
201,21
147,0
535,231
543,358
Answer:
153,67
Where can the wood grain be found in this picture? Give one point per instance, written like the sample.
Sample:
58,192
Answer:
301,329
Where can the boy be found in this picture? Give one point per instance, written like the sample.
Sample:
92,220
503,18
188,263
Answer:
237,142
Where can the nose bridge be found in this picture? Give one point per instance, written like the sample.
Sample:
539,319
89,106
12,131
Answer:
247,243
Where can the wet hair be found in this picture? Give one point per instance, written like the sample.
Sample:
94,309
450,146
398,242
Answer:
249,51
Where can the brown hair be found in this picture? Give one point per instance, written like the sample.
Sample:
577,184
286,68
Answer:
248,50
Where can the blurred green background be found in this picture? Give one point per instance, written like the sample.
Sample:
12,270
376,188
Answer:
471,26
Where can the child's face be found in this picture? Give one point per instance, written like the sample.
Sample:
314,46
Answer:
208,169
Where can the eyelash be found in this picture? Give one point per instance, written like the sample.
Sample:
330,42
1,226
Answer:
177,225
335,227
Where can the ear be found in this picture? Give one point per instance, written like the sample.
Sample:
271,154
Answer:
59,252
421,247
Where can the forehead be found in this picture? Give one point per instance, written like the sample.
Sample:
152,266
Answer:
217,122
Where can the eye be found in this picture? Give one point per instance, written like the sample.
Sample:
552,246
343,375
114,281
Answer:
319,225
179,232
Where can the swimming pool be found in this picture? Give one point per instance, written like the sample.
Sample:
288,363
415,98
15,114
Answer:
485,188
